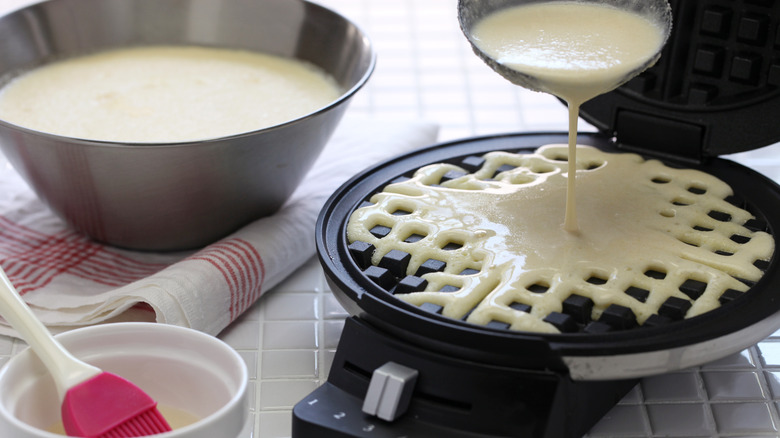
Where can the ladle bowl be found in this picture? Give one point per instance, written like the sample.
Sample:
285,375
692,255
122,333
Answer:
472,11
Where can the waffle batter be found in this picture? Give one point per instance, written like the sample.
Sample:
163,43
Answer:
165,94
650,228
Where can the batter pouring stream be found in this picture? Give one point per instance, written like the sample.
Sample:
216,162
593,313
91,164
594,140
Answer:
573,50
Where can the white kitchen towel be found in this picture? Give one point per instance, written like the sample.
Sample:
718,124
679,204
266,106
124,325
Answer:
70,280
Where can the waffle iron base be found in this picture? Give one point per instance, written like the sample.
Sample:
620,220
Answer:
472,399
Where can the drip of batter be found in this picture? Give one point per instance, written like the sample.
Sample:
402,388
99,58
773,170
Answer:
573,50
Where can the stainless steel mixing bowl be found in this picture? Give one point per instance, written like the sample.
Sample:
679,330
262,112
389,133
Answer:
179,195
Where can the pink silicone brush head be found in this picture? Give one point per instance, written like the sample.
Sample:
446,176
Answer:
108,406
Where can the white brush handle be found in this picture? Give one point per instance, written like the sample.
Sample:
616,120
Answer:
66,370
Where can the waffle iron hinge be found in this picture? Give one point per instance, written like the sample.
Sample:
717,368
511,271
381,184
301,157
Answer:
660,137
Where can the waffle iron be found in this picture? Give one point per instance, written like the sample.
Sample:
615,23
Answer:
404,371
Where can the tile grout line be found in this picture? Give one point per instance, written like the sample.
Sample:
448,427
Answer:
706,401
764,384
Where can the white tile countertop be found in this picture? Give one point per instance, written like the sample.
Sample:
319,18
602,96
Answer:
426,71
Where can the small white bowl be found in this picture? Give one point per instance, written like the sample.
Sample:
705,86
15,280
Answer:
179,368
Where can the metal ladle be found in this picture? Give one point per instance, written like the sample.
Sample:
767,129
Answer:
472,11
658,12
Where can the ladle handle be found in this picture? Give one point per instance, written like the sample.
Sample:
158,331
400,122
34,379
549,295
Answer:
64,367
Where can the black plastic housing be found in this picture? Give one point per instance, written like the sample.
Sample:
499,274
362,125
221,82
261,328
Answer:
454,398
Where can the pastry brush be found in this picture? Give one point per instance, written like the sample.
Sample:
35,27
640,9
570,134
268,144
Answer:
95,403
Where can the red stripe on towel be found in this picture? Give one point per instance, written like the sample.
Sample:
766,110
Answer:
33,259
242,268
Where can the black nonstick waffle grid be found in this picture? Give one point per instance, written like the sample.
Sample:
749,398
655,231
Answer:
358,279
394,274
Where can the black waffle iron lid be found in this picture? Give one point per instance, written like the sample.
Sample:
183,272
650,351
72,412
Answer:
715,90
